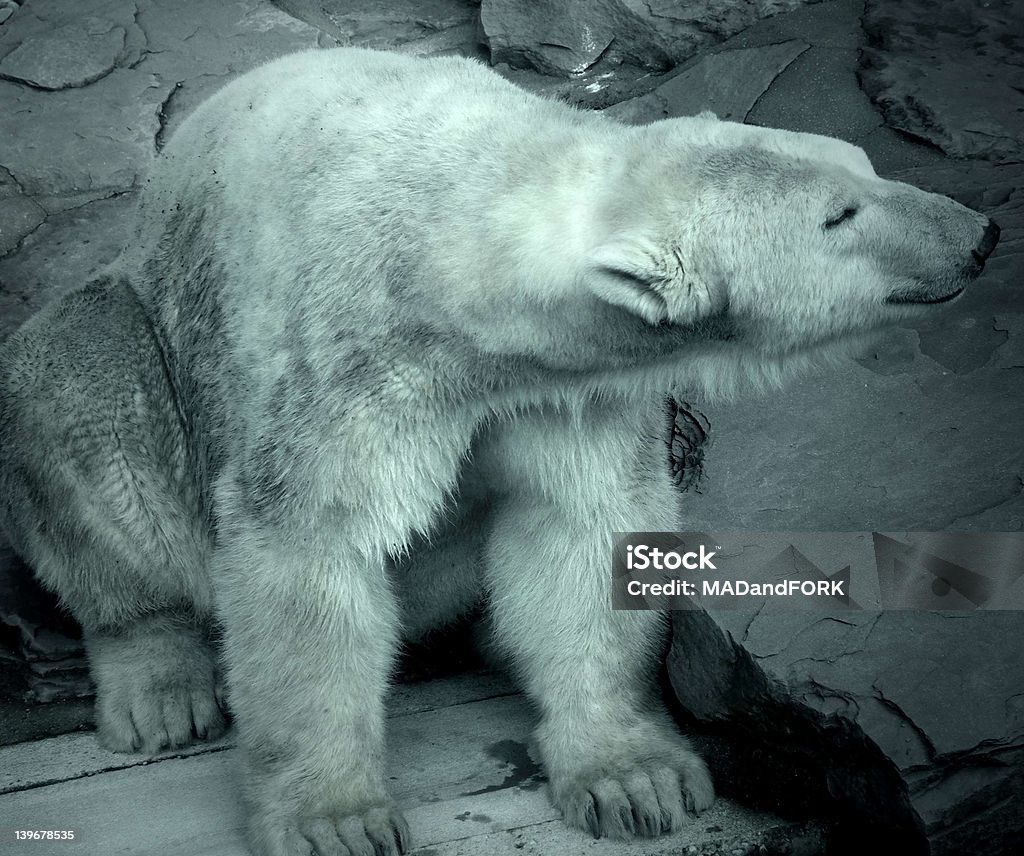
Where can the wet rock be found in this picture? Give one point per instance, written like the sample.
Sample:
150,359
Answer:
937,74
915,446
728,83
860,717
568,38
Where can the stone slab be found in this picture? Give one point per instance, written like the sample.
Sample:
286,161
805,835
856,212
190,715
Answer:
906,729
62,253
100,135
818,94
67,57
951,75
568,38
728,83
430,28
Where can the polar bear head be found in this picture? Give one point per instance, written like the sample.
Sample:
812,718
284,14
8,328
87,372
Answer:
777,241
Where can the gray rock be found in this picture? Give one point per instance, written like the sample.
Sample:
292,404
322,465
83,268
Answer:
69,56
568,37
176,52
728,83
939,84
19,215
861,717
829,24
911,446
194,49
818,94
69,44
427,28
62,253
114,121
891,151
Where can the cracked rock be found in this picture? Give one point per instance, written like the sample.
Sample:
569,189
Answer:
84,143
422,27
70,56
728,83
939,84
19,215
569,38
905,728
63,252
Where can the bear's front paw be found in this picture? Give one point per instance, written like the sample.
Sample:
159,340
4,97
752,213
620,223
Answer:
376,831
649,797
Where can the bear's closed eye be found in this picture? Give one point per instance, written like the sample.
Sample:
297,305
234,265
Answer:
847,214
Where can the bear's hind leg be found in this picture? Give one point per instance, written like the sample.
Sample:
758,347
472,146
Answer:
158,685
98,501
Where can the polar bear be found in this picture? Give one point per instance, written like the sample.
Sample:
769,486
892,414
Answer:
395,335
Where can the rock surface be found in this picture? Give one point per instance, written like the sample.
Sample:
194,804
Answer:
570,36
70,56
906,728
728,83
950,73
19,215
427,28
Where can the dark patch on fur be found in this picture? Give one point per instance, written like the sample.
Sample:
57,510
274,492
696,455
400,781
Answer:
185,271
687,436
264,481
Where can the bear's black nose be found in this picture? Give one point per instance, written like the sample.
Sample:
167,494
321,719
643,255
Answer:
988,243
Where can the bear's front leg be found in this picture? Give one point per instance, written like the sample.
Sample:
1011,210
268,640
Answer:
310,633
616,763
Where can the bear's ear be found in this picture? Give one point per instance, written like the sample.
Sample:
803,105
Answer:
626,272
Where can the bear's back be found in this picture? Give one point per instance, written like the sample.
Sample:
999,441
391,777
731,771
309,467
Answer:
312,217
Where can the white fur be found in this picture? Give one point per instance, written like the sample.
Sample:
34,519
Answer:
411,333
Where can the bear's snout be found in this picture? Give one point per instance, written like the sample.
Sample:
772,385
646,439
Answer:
988,243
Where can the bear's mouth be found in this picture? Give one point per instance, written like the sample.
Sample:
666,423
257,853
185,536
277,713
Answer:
923,298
